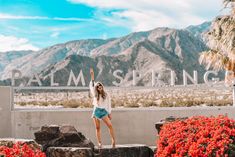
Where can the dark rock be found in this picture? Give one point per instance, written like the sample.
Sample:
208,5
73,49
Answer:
172,118
51,129
119,151
65,141
43,136
125,151
61,136
158,125
67,130
69,152
47,133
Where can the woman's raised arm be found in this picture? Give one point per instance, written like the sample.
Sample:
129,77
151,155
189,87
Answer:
92,83
92,74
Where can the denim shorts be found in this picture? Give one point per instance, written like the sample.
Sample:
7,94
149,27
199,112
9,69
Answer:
99,113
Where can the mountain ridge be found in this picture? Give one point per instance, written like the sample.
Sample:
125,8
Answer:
174,48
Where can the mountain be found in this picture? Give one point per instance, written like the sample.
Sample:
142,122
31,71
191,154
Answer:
8,57
161,49
119,45
37,61
11,60
199,30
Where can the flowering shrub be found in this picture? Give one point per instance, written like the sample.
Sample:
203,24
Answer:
20,150
197,136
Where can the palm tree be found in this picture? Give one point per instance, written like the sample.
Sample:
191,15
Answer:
231,3
221,41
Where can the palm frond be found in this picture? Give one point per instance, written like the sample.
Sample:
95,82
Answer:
231,3
213,59
227,2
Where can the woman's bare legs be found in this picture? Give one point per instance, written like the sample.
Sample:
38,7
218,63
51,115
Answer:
107,121
98,133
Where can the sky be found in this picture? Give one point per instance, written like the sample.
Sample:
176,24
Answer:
36,24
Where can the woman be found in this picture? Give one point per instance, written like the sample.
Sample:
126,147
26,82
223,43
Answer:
102,108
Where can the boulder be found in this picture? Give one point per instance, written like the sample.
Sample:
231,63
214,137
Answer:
61,136
46,134
159,124
131,150
106,151
66,141
69,152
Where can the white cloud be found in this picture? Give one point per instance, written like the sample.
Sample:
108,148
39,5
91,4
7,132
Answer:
19,17
71,19
151,19
154,19
9,43
135,4
55,35
142,15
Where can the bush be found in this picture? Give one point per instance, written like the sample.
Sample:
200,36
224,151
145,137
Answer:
197,136
20,150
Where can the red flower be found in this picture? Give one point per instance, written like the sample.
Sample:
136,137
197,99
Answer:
21,150
197,136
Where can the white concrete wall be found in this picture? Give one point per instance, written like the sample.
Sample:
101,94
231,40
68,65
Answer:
132,125
5,112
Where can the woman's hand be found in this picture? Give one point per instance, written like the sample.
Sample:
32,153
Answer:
92,74
110,117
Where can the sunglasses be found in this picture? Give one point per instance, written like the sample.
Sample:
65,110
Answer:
99,85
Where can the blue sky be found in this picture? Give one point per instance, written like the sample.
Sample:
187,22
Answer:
35,24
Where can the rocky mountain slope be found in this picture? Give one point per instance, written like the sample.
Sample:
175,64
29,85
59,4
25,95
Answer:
164,50
37,61
161,49
199,30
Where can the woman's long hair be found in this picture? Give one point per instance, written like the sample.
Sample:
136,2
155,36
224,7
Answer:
98,93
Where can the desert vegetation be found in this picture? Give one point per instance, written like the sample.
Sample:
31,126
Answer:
178,96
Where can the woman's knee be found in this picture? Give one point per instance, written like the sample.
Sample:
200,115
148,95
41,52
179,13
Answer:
97,127
109,125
